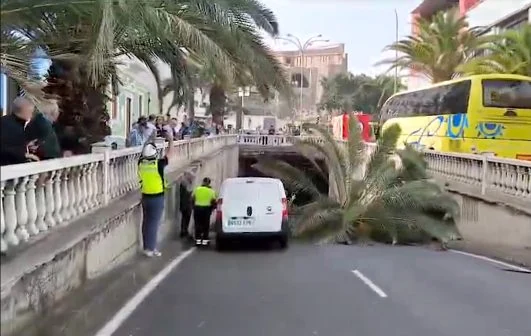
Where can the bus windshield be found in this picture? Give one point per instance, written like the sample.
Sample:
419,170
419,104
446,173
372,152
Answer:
507,93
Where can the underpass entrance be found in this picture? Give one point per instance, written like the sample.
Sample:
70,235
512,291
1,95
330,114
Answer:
246,162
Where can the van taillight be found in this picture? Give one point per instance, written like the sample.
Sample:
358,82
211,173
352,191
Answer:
218,209
284,209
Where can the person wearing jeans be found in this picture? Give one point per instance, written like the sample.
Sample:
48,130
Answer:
152,210
152,184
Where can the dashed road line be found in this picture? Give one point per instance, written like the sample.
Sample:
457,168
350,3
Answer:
369,283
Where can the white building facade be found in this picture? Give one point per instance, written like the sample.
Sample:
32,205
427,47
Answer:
498,15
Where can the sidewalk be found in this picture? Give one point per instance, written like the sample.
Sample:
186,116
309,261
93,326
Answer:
89,307
517,256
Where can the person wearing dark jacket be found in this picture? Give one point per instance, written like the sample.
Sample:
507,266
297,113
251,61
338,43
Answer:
41,128
15,145
185,203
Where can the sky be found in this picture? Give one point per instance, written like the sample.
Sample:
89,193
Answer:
365,26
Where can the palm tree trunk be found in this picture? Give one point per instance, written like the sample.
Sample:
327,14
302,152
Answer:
191,105
83,107
239,118
217,104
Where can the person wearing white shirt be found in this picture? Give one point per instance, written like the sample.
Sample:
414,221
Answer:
151,126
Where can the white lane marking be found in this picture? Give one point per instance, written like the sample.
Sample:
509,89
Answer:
119,318
494,261
369,283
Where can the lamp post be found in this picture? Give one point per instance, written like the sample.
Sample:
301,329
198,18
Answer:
301,47
242,92
396,51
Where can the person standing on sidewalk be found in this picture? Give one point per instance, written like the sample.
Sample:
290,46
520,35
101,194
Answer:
185,203
153,185
204,198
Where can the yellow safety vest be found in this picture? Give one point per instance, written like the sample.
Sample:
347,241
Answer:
204,196
150,180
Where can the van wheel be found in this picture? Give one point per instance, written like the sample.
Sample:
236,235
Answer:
283,243
221,244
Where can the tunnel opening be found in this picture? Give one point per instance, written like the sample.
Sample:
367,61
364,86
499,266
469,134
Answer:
321,182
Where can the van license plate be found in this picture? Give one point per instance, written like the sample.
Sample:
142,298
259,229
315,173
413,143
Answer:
241,222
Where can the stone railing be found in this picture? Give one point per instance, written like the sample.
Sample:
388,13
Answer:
487,175
273,140
265,140
40,196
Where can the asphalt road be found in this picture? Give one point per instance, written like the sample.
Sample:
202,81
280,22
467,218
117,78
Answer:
312,290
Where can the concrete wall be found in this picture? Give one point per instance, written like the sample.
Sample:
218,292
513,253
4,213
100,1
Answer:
37,277
491,219
493,224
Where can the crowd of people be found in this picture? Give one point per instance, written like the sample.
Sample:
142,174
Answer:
29,133
146,127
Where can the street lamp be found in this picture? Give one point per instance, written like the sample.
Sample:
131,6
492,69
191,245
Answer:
301,47
242,92
396,51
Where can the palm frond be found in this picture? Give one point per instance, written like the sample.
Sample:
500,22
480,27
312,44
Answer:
385,145
323,224
293,177
335,157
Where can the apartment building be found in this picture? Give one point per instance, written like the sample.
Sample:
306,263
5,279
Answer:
493,15
318,62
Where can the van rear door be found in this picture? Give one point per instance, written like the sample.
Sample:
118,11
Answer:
252,206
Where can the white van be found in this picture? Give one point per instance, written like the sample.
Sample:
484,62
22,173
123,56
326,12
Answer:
252,206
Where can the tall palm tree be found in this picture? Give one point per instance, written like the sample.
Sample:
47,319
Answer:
257,67
392,194
508,53
442,44
86,38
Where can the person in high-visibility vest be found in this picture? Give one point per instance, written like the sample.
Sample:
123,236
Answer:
153,186
204,199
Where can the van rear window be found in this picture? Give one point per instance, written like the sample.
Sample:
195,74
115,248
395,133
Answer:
507,93
246,192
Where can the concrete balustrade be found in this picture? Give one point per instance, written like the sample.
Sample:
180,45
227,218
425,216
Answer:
273,140
38,197
487,175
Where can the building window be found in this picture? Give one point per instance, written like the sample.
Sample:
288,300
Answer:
128,123
140,105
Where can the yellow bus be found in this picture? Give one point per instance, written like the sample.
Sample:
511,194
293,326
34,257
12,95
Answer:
482,114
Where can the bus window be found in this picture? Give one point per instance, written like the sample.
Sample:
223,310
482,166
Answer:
506,93
455,101
438,100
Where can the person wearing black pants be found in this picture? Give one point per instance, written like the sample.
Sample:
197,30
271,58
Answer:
204,199
185,206
202,223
